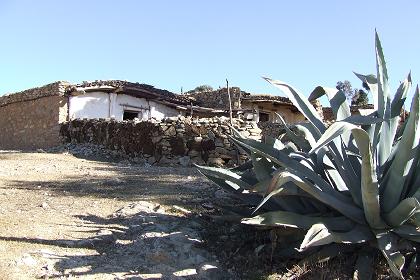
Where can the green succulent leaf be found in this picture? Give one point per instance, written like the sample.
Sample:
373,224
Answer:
347,209
338,101
369,182
398,103
403,212
382,78
410,232
224,174
284,160
372,83
319,234
364,266
294,220
262,167
403,166
387,244
304,106
296,139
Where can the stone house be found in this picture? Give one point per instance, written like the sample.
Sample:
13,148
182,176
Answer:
31,118
256,107
121,100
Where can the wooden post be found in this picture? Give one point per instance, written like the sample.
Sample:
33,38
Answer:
191,109
230,102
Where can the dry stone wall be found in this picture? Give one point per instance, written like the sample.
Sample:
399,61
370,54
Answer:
176,140
218,99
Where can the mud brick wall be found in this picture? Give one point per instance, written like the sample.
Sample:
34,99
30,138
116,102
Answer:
176,140
30,119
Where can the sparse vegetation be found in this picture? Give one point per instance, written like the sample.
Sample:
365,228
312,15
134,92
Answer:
354,183
356,97
202,88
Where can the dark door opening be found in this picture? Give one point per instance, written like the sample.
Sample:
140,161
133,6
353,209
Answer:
264,117
130,115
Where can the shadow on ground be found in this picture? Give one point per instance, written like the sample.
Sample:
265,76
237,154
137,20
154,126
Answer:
139,241
166,185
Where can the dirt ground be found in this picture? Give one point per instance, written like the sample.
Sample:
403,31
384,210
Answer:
66,217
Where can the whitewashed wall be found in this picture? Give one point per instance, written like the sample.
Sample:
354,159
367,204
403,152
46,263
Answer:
104,105
93,105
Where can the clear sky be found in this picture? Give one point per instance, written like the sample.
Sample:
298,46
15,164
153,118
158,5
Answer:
174,44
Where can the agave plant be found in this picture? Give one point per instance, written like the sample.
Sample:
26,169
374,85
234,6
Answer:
354,182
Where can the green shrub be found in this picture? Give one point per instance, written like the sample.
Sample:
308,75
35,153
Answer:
355,182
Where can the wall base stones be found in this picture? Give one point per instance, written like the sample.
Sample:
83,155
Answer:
176,140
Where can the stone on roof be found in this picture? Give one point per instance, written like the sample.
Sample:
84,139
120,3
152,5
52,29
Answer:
56,88
133,88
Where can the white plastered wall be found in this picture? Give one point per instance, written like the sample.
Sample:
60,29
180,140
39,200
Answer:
94,105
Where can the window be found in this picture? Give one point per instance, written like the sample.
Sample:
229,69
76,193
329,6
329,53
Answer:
264,117
130,115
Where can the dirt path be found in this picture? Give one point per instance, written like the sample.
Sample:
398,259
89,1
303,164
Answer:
64,217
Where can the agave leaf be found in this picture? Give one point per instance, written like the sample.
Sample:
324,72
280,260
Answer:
262,186
275,143
398,102
321,191
296,139
383,131
294,220
338,101
372,83
403,212
382,78
409,232
304,106
283,159
410,184
310,132
364,266
369,181
387,243
279,186
325,253
415,183
326,166
243,167
363,120
262,167
249,198
319,234
347,209
224,174
403,166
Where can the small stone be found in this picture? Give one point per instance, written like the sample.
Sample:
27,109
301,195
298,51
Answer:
45,205
185,161
28,260
208,206
171,131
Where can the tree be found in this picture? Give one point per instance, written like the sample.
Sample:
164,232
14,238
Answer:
202,88
346,88
360,98
355,96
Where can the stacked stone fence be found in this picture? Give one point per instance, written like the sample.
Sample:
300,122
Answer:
172,141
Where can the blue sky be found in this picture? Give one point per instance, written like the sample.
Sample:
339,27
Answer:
174,44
